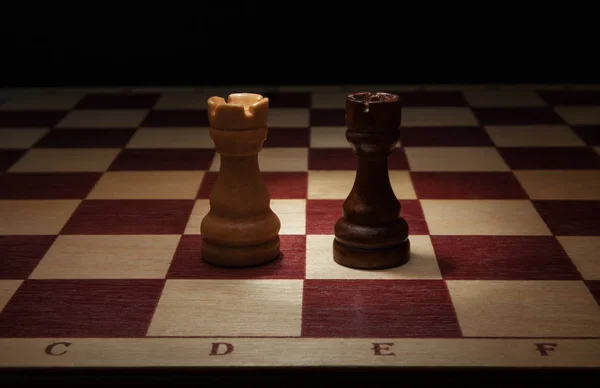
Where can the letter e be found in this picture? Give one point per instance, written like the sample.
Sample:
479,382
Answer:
377,349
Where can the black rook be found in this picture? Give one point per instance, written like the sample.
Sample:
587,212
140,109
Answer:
372,234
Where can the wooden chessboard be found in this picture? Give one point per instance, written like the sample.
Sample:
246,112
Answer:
102,193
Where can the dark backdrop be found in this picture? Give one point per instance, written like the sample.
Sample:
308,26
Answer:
278,43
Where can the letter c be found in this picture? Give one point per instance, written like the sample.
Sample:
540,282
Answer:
50,348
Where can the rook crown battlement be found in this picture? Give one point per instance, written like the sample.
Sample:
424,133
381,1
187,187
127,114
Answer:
241,111
373,112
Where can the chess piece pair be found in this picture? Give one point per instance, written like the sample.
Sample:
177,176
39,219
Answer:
241,229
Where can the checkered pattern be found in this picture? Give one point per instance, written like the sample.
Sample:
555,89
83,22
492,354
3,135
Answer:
102,193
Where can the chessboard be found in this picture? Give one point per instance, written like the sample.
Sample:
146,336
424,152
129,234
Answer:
102,192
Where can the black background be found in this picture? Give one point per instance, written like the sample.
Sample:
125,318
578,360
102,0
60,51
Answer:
265,44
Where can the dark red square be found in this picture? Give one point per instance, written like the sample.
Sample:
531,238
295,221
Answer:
21,254
594,287
467,185
118,101
9,157
163,159
281,185
344,159
550,158
287,137
503,258
517,116
331,159
208,182
86,138
322,214
570,97
47,185
588,133
286,185
288,99
412,212
130,217
328,117
176,118
81,308
445,137
188,264
31,118
425,98
378,309
570,218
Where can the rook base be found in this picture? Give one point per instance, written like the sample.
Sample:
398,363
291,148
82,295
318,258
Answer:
380,258
245,256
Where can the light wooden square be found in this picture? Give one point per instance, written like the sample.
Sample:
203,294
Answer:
182,101
584,251
488,308
533,136
103,118
108,257
487,98
172,137
19,138
579,115
328,137
199,211
332,99
455,159
229,308
7,290
560,184
35,217
292,215
320,264
438,116
289,117
41,102
275,159
483,217
338,184
66,160
148,185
